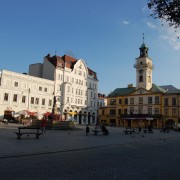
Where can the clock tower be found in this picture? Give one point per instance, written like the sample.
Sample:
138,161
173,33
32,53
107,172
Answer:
144,68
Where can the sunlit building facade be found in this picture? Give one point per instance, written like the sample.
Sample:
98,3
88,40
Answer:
143,105
64,85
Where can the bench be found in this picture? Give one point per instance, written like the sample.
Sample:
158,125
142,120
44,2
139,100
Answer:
129,131
148,131
164,130
145,130
35,131
95,132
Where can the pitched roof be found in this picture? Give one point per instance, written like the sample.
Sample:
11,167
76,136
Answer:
157,89
169,88
67,60
129,90
122,91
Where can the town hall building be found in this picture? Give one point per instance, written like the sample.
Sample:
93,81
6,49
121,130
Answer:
143,105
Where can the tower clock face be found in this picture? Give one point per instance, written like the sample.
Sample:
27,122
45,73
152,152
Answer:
140,71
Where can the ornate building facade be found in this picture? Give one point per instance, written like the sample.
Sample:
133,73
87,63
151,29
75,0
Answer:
64,85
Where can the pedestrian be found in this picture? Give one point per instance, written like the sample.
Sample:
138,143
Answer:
43,124
104,130
139,129
150,129
87,130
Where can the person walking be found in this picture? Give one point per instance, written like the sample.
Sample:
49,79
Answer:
87,130
43,124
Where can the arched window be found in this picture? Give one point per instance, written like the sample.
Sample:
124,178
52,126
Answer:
141,78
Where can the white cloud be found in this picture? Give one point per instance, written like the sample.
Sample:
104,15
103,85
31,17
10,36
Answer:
171,35
151,25
125,22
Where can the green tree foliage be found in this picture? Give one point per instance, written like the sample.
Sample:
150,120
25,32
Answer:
169,10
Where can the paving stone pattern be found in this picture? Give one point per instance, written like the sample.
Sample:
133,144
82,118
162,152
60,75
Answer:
72,155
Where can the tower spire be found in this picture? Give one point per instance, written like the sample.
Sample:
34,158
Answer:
143,37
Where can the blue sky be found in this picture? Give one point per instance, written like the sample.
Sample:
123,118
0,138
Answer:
106,34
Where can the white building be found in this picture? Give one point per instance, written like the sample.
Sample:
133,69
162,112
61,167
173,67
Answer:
65,81
21,92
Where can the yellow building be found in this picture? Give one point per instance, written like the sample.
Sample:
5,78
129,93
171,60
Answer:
143,105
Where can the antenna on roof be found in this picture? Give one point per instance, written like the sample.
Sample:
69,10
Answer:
55,52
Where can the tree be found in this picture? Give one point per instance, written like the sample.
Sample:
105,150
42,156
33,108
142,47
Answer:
169,10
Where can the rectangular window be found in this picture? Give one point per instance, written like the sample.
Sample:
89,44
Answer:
40,88
131,110
119,111
126,101
32,100
80,73
23,99
131,100
6,96
166,101
173,101
140,110
125,111
112,112
173,112
43,102
102,112
15,84
120,101
140,100
166,112
156,111
15,98
45,89
156,99
37,101
112,101
149,100
149,110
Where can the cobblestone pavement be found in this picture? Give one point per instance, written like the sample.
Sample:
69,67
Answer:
70,155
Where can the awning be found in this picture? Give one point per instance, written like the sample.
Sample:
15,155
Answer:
73,113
